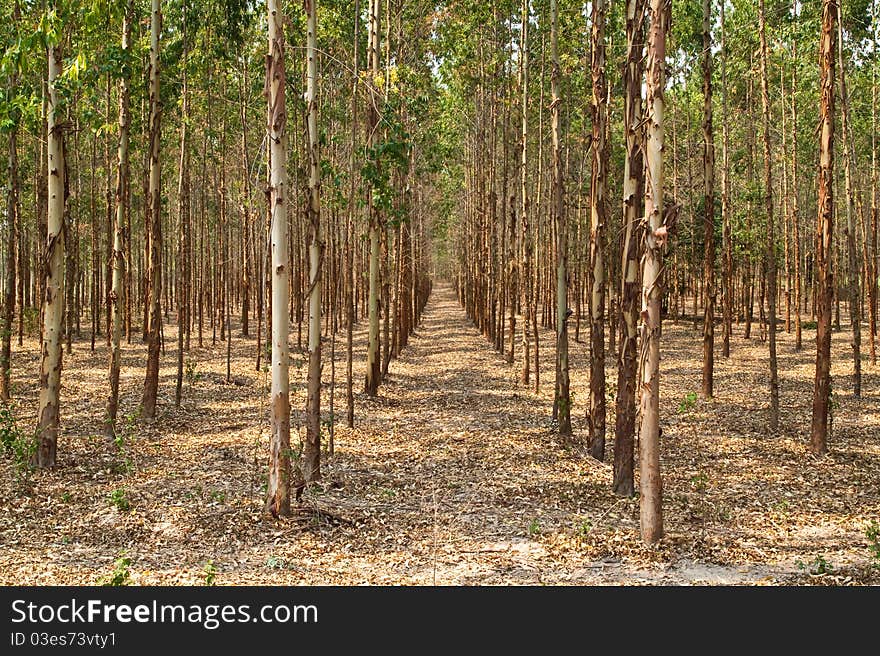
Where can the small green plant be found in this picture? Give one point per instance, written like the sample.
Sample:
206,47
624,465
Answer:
872,532
218,496
818,566
131,420
585,527
191,372
534,527
8,428
119,499
210,572
120,574
274,562
688,403
66,497
19,445
699,481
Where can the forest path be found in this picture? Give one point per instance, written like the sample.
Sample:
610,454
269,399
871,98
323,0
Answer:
464,481
470,465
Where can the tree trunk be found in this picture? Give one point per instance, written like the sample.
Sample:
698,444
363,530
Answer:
875,210
633,191
650,484
118,256
853,269
12,226
598,219
278,487
563,398
53,293
183,301
371,386
824,242
795,207
728,286
311,457
151,382
520,271
708,209
770,254
350,240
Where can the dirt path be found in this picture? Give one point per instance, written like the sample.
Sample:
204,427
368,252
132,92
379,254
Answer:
453,475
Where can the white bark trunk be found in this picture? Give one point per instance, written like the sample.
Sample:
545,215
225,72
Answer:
53,305
278,491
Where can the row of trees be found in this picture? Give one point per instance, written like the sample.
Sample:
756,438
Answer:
96,233
617,214
556,159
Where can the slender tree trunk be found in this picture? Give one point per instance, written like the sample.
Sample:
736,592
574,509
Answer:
520,271
825,232
563,397
247,247
151,382
311,457
598,219
728,291
771,224
650,484
183,301
53,294
708,208
118,256
875,210
853,269
795,208
13,221
278,488
373,365
633,191
350,240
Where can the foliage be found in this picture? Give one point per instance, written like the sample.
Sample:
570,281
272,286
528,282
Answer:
872,532
121,575
119,499
210,572
688,403
17,445
818,566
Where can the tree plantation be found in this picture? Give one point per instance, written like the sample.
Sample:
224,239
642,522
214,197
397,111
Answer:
451,292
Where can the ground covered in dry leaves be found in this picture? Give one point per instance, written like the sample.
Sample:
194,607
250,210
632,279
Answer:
452,476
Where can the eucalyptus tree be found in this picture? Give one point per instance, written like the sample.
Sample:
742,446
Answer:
853,269
279,483
53,299
598,221
657,232
12,115
373,376
154,229
708,206
825,227
311,457
633,191
770,252
563,396
121,218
